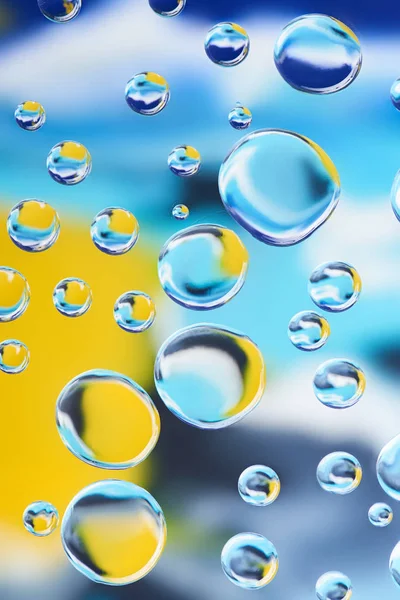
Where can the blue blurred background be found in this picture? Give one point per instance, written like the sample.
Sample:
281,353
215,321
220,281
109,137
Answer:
78,71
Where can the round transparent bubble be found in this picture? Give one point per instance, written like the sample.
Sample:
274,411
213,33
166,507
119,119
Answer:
147,93
72,297
334,286
395,195
69,163
184,161
14,357
14,294
114,532
308,331
207,283
107,420
334,586
114,230
380,514
167,8
227,44
40,518
249,560
30,115
259,485
395,94
209,376
180,212
134,312
318,54
339,383
33,225
339,473
279,185
394,564
388,468
240,117
60,11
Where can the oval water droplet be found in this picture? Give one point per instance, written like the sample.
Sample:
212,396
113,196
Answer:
60,11
250,561
339,473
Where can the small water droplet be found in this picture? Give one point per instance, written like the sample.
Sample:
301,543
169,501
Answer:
334,586
308,331
339,383
240,117
180,212
72,297
339,473
40,518
259,485
33,225
69,163
147,93
114,230
134,312
184,161
14,294
167,8
334,286
30,115
60,11
250,561
227,44
380,514
14,356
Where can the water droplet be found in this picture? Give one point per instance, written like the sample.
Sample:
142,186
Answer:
308,331
72,297
107,420
134,312
207,283
334,586
147,93
180,212
249,560
339,383
394,564
380,514
395,94
240,117
30,115
114,532
60,11
184,161
334,286
279,185
188,377
114,230
227,44
69,163
388,468
318,54
167,8
259,485
14,294
40,518
33,225
14,357
395,195
339,473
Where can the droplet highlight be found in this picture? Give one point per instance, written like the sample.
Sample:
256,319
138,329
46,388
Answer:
184,161
40,518
107,420
134,312
14,357
180,212
14,294
30,115
339,473
259,485
380,514
388,468
334,586
338,383
308,331
60,11
114,230
167,8
188,378
69,163
279,185
250,561
33,225
318,54
207,283
227,44
114,532
147,93
72,297
240,117
334,286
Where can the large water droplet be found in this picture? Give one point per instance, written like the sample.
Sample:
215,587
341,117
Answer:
114,532
30,115
388,468
14,357
72,297
134,312
114,230
339,473
334,286
249,560
259,485
147,93
167,8
308,331
14,294
203,267
107,420
69,163
333,586
40,518
279,185
60,11
318,54
380,514
339,383
184,161
209,376
227,44
33,225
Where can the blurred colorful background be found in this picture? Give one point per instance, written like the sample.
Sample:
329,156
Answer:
78,71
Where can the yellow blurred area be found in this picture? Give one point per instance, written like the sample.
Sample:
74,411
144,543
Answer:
69,7
192,153
14,355
37,215
12,287
74,150
35,463
33,106
158,79
123,221
77,293
143,308
235,254
43,523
